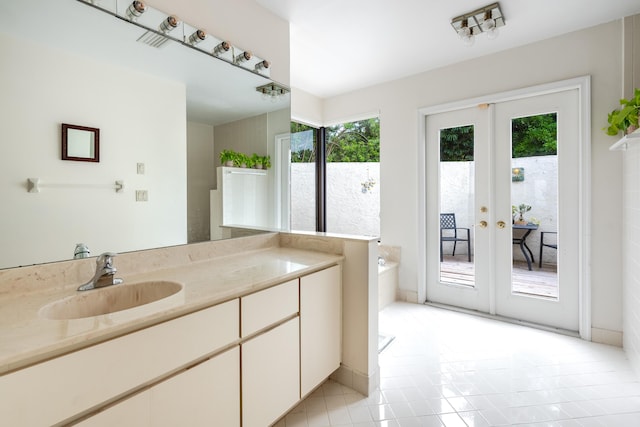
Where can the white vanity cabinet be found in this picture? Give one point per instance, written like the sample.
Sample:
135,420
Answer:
244,362
320,327
270,359
79,382
207,394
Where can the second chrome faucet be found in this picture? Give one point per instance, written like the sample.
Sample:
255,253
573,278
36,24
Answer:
104,275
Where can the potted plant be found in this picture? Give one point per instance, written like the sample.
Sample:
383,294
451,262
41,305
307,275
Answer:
520,210
625,119
249,161
241,160
261,162
227,157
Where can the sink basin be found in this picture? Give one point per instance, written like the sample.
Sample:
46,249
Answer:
110,299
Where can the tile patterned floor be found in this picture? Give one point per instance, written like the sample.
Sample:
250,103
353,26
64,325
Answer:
451,369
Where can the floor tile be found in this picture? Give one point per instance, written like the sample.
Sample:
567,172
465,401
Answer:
457,370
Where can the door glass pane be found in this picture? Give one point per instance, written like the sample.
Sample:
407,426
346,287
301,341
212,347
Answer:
353,178
457,171
534,200
303,178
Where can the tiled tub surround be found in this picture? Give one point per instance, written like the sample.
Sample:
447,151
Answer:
211,272
388,274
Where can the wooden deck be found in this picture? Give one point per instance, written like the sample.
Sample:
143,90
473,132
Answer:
539,282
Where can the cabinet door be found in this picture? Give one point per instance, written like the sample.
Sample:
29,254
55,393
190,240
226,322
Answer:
270,374
207,394
320,326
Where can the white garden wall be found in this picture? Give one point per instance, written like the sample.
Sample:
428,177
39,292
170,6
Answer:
349,209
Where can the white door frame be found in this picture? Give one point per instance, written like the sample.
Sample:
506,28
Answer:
583,85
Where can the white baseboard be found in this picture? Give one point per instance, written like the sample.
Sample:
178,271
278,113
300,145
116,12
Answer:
357,381
605,336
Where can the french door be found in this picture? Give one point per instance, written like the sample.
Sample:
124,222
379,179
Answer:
508,172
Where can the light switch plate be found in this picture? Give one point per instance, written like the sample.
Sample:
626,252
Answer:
142,196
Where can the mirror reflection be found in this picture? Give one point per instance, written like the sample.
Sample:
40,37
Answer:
164,116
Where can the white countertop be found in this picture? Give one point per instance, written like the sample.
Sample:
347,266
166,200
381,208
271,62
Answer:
28,338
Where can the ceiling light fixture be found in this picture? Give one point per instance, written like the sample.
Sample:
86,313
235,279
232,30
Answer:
487,19
272,91
465,34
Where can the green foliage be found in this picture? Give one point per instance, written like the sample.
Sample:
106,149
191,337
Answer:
621,119
263,161
348,142
354,142
227,156
456,144
531,136
244,160
534,135
307,155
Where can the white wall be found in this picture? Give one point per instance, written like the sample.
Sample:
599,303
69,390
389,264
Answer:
42,88
595,51
631,211
200,179
349,210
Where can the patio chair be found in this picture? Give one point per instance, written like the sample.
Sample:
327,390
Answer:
449,232
543,244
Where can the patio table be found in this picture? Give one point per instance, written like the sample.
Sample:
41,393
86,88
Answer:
522,241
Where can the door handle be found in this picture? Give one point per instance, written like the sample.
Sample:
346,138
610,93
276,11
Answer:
483,224
501,224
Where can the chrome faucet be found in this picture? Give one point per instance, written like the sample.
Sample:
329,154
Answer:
105,273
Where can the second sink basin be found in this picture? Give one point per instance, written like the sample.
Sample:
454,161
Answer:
110,299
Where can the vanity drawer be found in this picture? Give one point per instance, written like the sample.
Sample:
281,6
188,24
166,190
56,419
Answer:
55,390
269,306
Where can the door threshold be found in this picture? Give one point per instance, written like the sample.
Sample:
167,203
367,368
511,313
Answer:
561,331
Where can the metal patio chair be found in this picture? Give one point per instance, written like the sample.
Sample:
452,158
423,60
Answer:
450,232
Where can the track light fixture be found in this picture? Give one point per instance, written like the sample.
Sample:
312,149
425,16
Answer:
262,65
223,47
486,20
242,57
196,37
160,29
169,24
135,9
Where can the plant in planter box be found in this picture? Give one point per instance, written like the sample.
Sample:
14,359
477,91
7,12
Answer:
625,119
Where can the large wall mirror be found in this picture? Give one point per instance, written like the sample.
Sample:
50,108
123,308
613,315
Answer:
164,114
